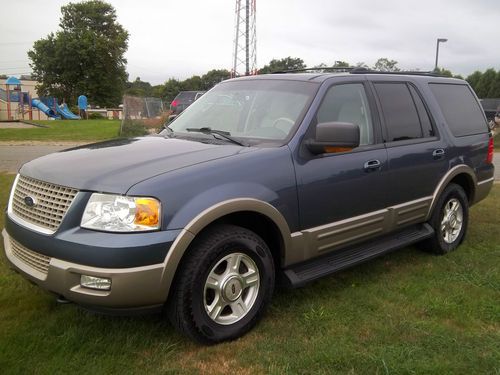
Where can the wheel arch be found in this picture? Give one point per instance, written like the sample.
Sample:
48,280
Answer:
259,216
461,175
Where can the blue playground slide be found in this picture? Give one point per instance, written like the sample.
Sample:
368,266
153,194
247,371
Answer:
42,107
64,111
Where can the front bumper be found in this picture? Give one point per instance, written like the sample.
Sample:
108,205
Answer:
143,287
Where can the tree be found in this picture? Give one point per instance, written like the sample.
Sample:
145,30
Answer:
485,83
171,88
213,77
385,65
85,57
192,84
138,88
341,64
288,63
443,72
474,78
495,87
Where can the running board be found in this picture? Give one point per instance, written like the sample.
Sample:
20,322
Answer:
298,275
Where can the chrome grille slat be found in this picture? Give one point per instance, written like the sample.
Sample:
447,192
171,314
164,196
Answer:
52,202
33,259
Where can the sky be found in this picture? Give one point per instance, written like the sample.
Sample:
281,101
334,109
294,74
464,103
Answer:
177,39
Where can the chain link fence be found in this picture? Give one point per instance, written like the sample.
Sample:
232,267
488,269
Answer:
143,115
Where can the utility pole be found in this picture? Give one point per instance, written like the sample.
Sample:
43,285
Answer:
245,40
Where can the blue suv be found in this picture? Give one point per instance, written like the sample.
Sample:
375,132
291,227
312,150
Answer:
285,177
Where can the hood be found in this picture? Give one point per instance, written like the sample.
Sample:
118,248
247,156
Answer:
114,166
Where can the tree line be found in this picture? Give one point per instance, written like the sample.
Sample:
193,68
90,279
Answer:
86,56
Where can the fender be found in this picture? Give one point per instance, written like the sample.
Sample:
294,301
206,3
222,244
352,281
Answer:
450,175
209,215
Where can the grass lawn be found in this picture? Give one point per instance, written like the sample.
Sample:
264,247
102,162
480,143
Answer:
65,130
496,141
406,313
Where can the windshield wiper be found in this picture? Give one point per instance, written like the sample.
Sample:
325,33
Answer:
169,129
222,133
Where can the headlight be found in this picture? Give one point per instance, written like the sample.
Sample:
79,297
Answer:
118,213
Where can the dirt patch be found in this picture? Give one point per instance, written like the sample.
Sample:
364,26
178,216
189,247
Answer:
44,143
16,125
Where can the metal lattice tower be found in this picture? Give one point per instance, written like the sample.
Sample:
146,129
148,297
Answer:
245,41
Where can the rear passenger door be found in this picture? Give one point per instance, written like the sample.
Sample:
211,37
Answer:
416,154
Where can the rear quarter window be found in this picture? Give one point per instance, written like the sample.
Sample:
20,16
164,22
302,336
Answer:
460,109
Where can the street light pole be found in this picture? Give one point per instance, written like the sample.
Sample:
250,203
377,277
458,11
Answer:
440,40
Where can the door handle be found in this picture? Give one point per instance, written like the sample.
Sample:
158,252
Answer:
438,153
372,165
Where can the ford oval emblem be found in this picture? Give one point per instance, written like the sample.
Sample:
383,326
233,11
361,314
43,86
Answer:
30,201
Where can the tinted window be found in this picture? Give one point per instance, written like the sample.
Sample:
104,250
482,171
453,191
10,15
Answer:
348,103
460,109
400,114
423,115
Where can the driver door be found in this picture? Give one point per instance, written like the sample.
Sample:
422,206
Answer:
342,195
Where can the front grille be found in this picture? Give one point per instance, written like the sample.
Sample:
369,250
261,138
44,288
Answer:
50,202
37,261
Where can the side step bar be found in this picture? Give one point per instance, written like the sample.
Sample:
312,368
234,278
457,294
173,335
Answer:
300,274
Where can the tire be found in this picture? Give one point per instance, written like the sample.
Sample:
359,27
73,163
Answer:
449,220
222,286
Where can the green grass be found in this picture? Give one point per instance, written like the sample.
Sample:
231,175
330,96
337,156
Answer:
406,313
65,130
496,141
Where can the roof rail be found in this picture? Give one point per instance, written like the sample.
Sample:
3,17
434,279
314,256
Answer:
358,70
317,69
361,70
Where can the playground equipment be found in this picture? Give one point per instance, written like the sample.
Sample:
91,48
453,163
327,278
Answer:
42,107
23,105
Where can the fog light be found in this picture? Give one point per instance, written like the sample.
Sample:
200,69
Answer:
92,282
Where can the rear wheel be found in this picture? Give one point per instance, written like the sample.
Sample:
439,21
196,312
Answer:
223,285
449,220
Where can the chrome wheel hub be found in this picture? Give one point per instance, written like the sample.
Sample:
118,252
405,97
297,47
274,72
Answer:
231,288
453,216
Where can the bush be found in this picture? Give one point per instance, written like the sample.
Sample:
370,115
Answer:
132,128
74,109
96,116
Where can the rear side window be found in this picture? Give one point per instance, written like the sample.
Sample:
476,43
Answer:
400,114
460,109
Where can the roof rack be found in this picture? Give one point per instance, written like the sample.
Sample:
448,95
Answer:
361,70
317,69
358,70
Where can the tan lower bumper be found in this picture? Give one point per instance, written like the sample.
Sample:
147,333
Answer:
130,287
483,189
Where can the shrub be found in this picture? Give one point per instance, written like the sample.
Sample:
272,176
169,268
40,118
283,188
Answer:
132,128
96,116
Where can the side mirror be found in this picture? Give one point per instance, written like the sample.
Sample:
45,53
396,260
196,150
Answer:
334,137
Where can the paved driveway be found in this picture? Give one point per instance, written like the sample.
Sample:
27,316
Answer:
13,156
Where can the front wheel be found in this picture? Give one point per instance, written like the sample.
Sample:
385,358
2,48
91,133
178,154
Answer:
449,220
223,285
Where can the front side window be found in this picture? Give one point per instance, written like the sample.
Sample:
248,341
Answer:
254,110
348,103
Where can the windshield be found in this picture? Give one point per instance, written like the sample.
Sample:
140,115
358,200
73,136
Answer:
257,110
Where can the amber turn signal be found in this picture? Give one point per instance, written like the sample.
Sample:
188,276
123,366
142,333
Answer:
147,212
